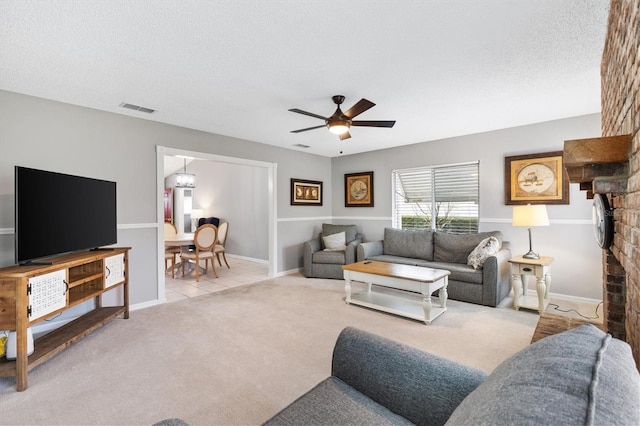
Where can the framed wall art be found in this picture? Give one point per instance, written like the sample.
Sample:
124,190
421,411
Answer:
358,189
536,179
306,192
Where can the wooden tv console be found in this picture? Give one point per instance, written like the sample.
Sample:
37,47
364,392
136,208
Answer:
30,294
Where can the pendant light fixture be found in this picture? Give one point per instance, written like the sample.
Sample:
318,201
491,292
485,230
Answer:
184,179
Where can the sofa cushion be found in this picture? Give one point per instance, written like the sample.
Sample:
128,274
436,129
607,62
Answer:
580,376
333,402
350,231
396,259
483,250
409,243
459,271
335,242
456,247
329,257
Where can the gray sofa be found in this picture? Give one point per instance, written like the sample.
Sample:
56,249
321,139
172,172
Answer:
485,286
319,263
580,376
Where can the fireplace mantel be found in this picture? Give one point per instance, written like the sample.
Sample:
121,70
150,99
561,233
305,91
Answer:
599,165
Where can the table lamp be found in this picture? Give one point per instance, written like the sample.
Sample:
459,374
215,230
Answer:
529,216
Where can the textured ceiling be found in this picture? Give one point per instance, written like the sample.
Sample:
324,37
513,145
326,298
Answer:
441,68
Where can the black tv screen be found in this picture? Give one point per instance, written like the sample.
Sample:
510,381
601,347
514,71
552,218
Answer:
57,213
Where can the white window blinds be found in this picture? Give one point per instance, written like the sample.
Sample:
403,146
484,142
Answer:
450,193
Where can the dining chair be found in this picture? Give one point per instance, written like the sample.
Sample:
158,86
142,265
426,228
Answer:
204,240
222,238
212,220
170,253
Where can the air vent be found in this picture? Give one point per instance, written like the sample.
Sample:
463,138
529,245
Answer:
299,145
137,108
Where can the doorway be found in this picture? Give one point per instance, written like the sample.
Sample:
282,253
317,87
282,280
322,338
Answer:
271,169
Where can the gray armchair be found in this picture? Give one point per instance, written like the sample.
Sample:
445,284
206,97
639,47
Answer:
320,263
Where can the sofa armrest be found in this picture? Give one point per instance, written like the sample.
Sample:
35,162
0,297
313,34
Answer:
312,246
308,248
421,387
496,277
350,251
368,249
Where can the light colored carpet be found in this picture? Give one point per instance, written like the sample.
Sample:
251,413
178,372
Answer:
236,356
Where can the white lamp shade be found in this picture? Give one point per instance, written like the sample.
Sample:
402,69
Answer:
186,180
530,215
196,213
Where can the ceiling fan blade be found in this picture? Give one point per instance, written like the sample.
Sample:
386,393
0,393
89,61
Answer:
361,106
308,128
373,123
310,114
345,135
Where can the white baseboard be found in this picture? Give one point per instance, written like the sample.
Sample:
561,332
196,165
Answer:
566,297
570,298
289,272
146,304
250,259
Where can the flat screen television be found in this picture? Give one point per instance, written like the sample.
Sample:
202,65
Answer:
57,213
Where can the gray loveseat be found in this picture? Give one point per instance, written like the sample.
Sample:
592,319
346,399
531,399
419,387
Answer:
320,263
581,376
485,286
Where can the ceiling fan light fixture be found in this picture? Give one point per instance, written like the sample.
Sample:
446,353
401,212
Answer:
340,122
338,127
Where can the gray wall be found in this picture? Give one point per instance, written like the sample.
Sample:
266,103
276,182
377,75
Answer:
60,137
236,194
576,269
54,136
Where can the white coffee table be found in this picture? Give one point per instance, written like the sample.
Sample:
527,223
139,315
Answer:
403,290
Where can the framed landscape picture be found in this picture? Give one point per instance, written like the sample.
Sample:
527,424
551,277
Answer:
306,192
358,189
536,179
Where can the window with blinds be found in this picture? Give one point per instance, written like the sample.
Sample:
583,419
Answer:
448,193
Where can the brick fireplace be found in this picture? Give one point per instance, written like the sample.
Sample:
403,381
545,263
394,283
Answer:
610,165
620,73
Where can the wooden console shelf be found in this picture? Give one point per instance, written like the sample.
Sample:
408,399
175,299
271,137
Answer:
87,276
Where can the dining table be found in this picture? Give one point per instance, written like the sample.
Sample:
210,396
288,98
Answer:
180,240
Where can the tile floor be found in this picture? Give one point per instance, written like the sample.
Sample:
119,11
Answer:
242,272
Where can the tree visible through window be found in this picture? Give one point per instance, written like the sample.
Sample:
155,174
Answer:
448,193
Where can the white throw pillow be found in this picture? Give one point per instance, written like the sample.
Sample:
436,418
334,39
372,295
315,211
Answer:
486,248
335,242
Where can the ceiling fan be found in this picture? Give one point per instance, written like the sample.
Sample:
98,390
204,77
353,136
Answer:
340,122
